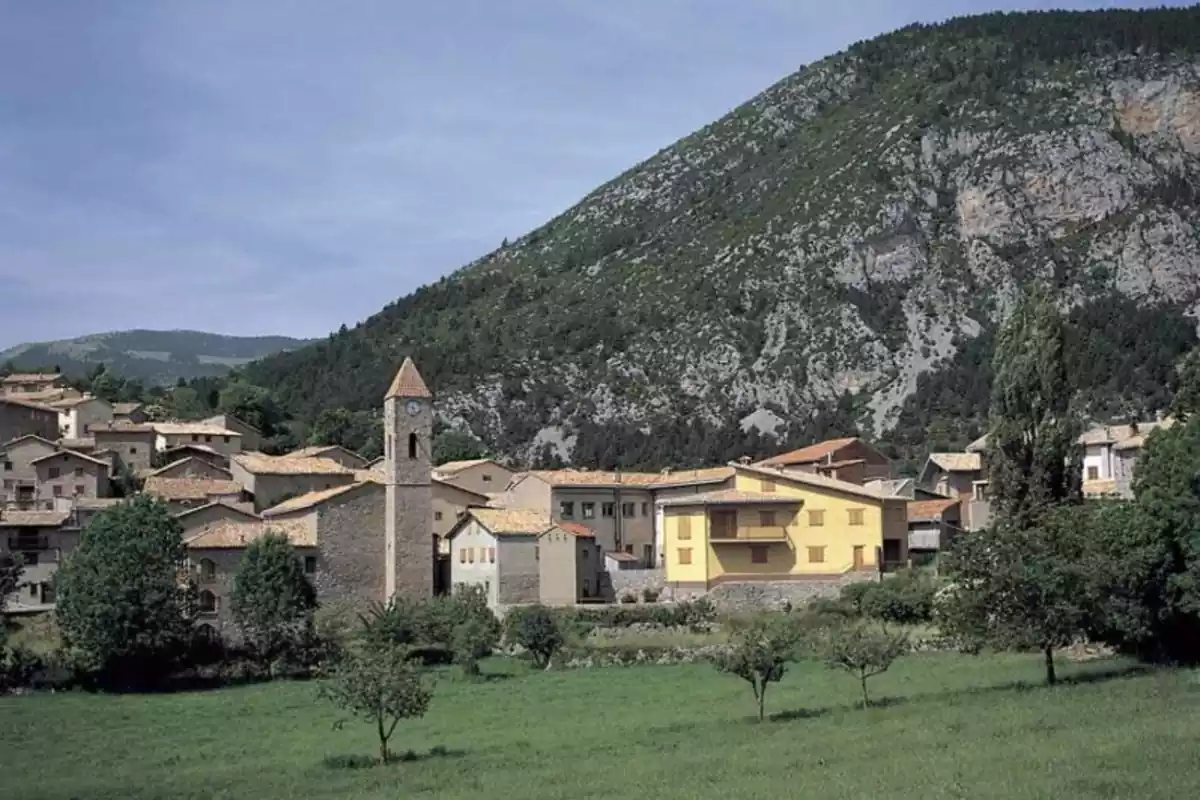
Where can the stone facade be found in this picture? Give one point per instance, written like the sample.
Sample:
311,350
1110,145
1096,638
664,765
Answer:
734,596
408,468
18,473
132,445
18,418
67,474
192,467
350,536
634,581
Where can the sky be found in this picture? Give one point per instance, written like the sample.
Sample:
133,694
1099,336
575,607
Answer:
275,167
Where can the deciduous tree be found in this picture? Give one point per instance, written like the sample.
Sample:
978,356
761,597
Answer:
863,650
272,599
759,654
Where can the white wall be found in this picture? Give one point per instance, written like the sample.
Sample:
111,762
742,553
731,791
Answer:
1098,457
481,572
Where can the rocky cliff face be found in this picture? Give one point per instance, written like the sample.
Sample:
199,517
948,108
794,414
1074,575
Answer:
838,236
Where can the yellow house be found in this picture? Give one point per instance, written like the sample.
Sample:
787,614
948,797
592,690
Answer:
771,526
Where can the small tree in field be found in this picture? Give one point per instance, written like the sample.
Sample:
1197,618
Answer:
471,641
864,651
272,599
379,685
759,655
535,629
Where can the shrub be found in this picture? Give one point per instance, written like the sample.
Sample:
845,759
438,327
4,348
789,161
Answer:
628,598
19,667
650,594
854,595
906,598
535,629
473,640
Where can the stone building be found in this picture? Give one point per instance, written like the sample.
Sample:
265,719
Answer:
334,452
76,415
170,435
191,467
22,418
408,468
18,475
480,475
132,445
67,474
851,459
273,479
252,437
30,383
181,494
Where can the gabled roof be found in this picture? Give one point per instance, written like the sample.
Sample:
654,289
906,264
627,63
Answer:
511,521
125,408
71,402
31,377
185,460
451,467
120,427
33,519
247,515
223,420
314,499
14,401
263,464
203,448
408,382
693,477
809,454
957,462
731,497
814,480
85,443
929,509
191,429
7,445
580,530
71,454
228,534
979,445
585,477
190,488
95,503
617,555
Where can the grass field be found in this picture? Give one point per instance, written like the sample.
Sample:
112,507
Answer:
950,726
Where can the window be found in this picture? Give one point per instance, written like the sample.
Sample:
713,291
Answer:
648,554
310,565
208,570
8,484
8,466
685,555
462,555
629,549
684,527
587,586
133,451
628,510
437,515
58,491
54,472
607,510
589,510
412,445
208,602
471,555
208,438
645,509
79,490
816,518
768,486
79,472
766,519
1093,473
856,516
537,553
816,555
566,510
491,555
226,438
486,477
195,437
759,553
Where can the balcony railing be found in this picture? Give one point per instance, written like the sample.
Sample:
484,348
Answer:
771,533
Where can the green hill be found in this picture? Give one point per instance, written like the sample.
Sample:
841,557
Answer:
155,357
832,255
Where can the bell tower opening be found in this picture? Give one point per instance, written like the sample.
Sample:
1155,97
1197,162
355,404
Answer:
412,445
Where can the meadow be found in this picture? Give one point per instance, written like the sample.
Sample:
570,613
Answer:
946,726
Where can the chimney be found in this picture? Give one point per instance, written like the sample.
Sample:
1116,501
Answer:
744,460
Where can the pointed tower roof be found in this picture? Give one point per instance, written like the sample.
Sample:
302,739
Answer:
408,382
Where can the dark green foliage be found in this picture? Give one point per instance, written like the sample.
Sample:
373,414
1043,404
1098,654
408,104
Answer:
124,605
535,629
472,640
693,614
272,599
905,597
863,650
11,570
359,431
1033,463
429,626
455,445
1023,588
759,653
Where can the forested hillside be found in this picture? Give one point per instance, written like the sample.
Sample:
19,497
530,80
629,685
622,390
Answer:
833,255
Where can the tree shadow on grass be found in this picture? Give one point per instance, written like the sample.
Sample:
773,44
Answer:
1082,679
360,761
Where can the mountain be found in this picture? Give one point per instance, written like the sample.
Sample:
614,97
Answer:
833,255
155,357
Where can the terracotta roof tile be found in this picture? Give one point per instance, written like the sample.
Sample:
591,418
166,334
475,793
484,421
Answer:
14,401
191,429
408,382
120,427
33,519
229,534
125,409
577,528
263,464
512,520
95,503
957,462
806,455
617,555
185,460
31,377
688,477
816,481
72,454
929,509
459,466
312,499
731,497
583,477
190,488
85,443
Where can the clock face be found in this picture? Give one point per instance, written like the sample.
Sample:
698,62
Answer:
413,407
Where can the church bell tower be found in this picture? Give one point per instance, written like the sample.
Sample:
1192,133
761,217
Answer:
408,453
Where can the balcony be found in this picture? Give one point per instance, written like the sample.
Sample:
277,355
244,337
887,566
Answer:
28,543
749,535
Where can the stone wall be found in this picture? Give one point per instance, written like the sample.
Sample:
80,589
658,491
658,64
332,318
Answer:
754,595
352,536
633,581
518,588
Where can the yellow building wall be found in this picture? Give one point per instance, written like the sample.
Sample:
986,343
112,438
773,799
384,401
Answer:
697,571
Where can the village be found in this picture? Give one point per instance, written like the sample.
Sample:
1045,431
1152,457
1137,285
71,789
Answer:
778,531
